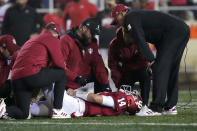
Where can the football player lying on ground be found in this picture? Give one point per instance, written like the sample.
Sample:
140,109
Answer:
83,104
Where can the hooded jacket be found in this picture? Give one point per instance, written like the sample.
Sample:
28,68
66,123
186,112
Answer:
122,58
82,60
37,53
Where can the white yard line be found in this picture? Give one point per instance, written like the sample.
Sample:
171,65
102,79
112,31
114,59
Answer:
191,104
107,124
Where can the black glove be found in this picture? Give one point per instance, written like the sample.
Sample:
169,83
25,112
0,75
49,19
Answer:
81,80
106,88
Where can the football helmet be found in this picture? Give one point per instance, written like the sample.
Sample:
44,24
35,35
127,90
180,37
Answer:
134,101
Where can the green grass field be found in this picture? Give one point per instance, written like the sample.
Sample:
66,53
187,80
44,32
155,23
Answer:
185,120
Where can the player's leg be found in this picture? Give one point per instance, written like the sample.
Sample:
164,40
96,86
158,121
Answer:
45,78
41,108
73,105
44,108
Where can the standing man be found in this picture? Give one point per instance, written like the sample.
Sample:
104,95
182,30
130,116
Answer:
39,64
3,8
21,21
84,63
127,64
170,36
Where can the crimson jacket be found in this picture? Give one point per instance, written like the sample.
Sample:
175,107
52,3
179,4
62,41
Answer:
77,12
122,59
5,67
81,60
38,53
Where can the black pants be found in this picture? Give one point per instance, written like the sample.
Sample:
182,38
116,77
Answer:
7,92
140,75
166,68
98,87
24,87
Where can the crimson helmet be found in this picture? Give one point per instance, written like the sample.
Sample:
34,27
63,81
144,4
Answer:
116,10
134,101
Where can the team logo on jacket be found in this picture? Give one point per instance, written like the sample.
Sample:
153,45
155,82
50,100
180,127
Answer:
90,50
129,27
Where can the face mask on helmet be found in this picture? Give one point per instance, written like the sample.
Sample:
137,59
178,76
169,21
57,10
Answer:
134,103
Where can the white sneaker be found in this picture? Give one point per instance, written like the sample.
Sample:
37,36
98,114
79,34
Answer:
172,111
6,117
59,114
2,107
145,111
142,111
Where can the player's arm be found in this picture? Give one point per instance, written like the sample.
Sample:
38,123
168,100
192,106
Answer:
93,98
90,97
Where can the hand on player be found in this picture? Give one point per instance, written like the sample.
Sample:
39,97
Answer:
71,92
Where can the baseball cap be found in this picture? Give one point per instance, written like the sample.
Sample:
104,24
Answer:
53,26
9,42
116,10
93,25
